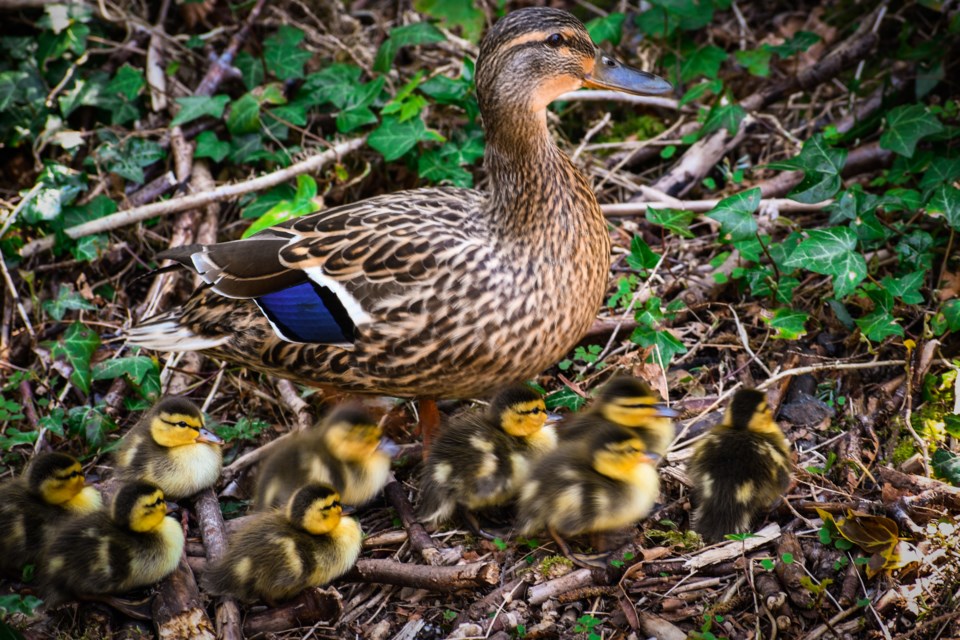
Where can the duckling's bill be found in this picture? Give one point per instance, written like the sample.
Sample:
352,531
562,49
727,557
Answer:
610,73
209,437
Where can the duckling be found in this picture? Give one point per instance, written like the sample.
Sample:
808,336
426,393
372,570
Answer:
600,482
627,402
277,554
134,545
347,451
170,448
51,489
739,469
482,460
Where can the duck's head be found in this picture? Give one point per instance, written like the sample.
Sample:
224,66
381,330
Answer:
139,506
533,55
519,410
56,477
315,508
351,434
629,402
176,422
749,411
619,456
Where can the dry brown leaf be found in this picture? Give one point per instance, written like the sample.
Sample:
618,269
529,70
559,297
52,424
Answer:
876,535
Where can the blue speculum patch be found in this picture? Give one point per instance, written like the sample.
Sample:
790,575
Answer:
308,312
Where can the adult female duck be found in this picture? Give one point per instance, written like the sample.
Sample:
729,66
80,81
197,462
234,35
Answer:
435,292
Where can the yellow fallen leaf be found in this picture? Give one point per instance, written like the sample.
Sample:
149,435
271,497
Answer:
878,536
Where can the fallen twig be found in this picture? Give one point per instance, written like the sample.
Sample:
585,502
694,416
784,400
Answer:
213,532
418,576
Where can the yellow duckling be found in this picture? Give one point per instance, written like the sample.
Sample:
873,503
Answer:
626,402
50,489
347,451
134,545
739,469
278,554
598,483
170,448
482,460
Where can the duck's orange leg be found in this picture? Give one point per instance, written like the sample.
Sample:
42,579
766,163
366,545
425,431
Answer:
429,422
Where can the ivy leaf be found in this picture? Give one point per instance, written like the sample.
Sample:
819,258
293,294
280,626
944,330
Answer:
946,201
407,35
906,126
941,170
664,345
756,61
193,107
697,91
210,146
788,324
129,160
606,29
127,82
244,115
704,62
394,138
79,344
802,41
878,325
946,464
735,215
728,116
282,55
675,220
60,186
951,314
831,252
66,300
461,14
907,288
821,166
134,368
641,256
303,202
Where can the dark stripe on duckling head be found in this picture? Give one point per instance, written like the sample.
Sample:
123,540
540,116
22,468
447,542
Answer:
515,394
125,501
179,406
308,313
743,406
350,413
51,465
624,387
306,496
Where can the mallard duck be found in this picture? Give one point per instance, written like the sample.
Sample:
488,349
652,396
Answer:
625,402
598,483
51,488
739,469
170,448
347,450
277,554
482,460
433,292
134,545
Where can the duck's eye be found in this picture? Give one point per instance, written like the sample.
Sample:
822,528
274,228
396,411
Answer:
555,40
182,424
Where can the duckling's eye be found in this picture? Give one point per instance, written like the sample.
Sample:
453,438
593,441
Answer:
182,424
555,40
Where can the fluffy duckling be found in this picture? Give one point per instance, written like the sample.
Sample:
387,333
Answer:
134,545
344,451
51,488
277,554
739,469
601,482
170,448
626,402
482,460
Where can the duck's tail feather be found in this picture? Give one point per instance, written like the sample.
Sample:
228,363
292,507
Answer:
166,333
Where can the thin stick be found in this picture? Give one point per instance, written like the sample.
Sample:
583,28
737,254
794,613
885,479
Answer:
834,366
600,95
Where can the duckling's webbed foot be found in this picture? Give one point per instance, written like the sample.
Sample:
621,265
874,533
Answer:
137,609
473,524
591,561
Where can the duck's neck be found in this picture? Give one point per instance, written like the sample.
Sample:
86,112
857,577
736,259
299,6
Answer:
534,186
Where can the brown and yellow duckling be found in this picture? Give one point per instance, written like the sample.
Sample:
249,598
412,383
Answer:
170,448
601,482
626,402
133,545
739,469
347,450
438,292
482,460
51,489
277,554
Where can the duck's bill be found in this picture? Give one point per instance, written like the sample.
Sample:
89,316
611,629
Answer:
172,507
553,418
609,73
209,437
651,458
389,447
666,412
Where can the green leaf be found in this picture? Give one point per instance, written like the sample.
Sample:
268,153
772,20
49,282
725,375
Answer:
251,70
283,57
946,464
459,13
878,325
407,35
757,61
675,220
77,347
735,215
704,62
906,126
951,314
821,166
665,345
831,252
801,41
767,564
946,201
788,324
302,203
907,288
244,115
127,82
60,185
394,138
89,248
353,119
727,116
210,146
698,91
134,368
67,300
15,603
641,256
128,161
193,107
606,29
